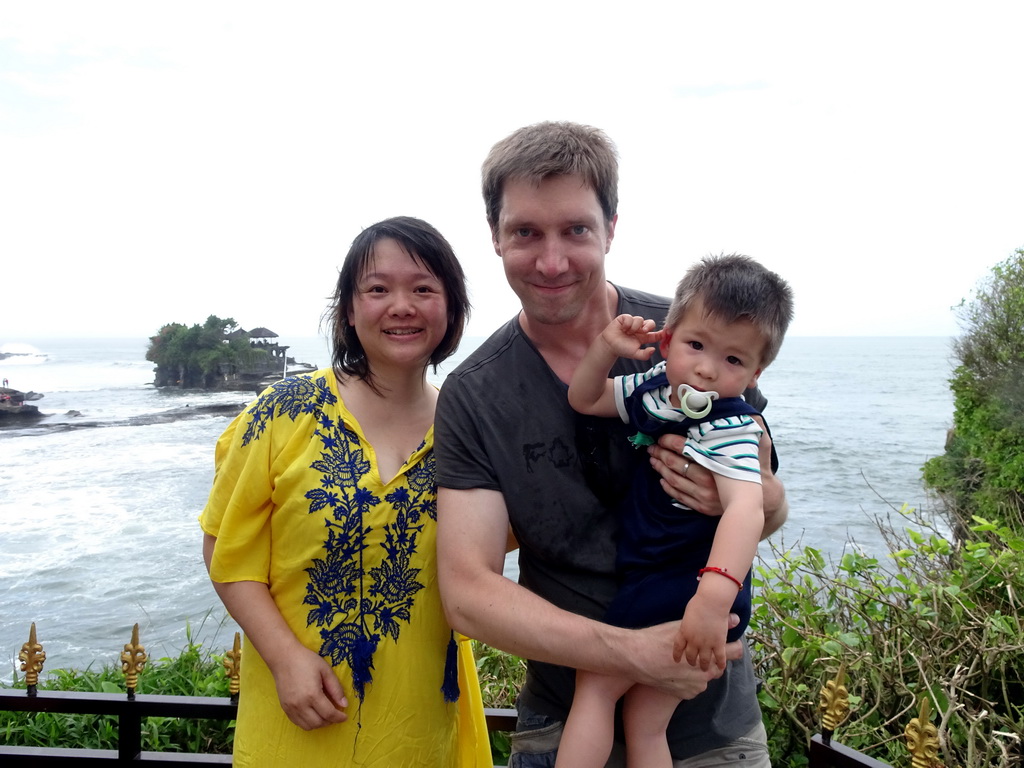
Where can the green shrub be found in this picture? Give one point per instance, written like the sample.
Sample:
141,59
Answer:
933,619
501,676
982,471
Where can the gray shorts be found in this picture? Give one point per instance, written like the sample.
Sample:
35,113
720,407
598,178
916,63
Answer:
535,744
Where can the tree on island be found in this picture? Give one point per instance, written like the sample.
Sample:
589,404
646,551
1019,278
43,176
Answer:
201,356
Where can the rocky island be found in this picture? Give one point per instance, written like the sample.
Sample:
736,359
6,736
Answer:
220,355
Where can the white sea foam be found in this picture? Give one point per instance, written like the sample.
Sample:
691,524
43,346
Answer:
18,354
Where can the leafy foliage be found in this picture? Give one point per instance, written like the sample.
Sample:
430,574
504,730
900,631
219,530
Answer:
940,617
982,470
933,620
501,676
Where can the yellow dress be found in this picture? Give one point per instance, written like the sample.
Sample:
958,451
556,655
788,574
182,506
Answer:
297,504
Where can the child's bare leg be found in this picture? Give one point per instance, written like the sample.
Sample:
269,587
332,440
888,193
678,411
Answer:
590,728
645,715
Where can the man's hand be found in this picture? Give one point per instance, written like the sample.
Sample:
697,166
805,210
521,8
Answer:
654,666
685,481
694,486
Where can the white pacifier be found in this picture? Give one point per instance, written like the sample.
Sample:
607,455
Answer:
693,402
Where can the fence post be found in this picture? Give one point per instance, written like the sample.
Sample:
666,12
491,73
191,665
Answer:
834,705
32,657
923,739
133,660
129,736
233,667
129,724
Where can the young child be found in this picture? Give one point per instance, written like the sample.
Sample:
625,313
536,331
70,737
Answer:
725,325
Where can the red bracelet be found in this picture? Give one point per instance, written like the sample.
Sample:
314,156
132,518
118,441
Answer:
720,572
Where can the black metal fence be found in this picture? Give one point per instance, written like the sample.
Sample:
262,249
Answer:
130,713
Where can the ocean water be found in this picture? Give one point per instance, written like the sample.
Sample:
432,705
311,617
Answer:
99,497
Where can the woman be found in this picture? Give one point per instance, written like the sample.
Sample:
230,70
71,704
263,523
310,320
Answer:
320,530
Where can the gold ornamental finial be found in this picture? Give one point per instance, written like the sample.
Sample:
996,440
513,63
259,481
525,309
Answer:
834,704
233,664
32,657
923,739
133,659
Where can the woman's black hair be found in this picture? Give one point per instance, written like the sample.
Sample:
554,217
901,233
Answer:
428,247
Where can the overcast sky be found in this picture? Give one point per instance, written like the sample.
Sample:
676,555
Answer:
160,162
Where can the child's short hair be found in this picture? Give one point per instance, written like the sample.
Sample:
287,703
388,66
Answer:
733,287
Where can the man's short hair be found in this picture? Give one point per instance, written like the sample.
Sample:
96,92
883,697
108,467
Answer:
736,287
538,151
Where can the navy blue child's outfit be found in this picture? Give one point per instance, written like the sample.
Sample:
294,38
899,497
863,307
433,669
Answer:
663,544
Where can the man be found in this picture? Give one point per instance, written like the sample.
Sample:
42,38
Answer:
517,467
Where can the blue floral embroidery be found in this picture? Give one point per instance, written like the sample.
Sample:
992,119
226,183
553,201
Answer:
354,608
288,397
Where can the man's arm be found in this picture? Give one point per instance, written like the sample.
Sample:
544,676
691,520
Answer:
481,603
691,484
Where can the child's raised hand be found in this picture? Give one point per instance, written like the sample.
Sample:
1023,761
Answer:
701,635
627,336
